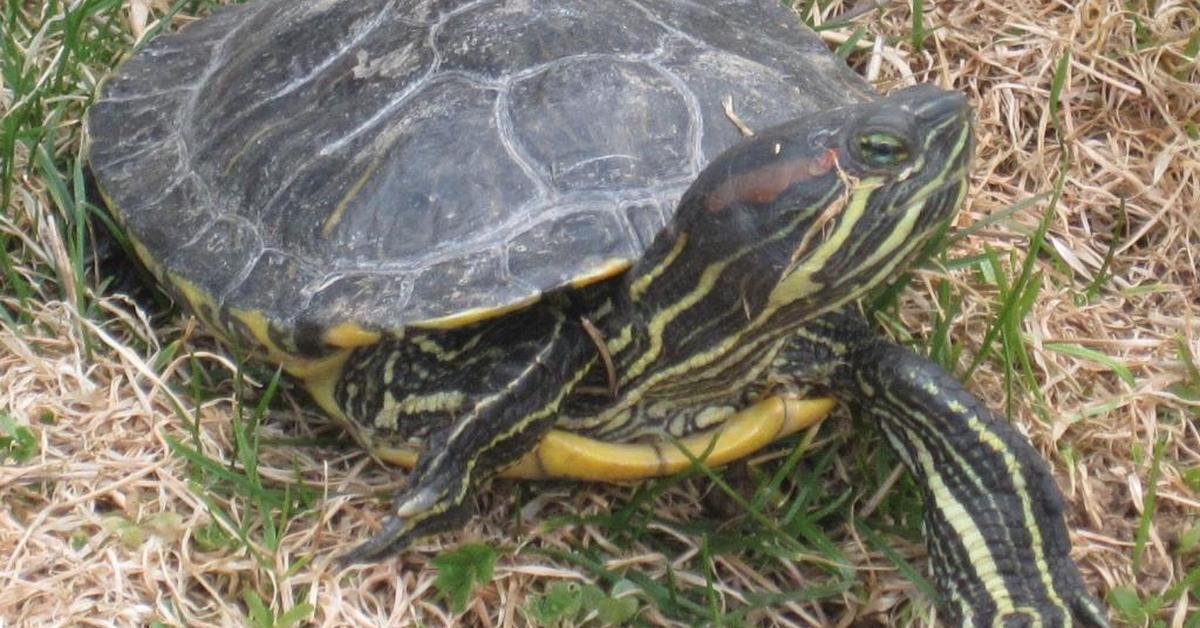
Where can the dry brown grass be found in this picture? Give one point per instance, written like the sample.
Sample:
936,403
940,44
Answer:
100,527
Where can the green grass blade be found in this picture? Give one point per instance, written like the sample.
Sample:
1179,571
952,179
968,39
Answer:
1079,351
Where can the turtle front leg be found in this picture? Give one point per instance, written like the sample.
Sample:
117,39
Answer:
998,543
495,432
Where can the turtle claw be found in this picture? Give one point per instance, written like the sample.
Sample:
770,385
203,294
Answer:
420,502
415,514
391,539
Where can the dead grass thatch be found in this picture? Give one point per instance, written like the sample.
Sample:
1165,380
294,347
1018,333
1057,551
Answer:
104,524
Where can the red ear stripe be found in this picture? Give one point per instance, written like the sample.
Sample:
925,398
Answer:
765,183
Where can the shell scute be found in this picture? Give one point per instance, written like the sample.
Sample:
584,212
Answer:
603,123
593,235
508,40
380,164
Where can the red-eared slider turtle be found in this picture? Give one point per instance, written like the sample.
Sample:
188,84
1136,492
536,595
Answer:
529,236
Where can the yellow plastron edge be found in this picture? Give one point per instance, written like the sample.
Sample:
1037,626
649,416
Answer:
566,455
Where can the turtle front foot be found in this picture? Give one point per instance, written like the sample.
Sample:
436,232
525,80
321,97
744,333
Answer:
419,511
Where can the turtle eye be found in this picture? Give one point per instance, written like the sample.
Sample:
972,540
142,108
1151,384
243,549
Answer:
882,149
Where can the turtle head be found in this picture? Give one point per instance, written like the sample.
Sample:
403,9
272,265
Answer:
812,213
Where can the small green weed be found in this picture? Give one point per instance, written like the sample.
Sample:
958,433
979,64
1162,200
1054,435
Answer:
1189,387
17,442
272,509
461,570
1134,608
575,604
263,617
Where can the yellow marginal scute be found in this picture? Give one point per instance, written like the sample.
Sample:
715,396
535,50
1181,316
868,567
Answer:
307,369
349,335
567,455
193,294
475,315
607,269
152,264
258,324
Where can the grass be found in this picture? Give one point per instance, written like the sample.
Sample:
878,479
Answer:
149,475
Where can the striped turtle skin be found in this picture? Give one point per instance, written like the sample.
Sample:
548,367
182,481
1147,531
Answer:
531,238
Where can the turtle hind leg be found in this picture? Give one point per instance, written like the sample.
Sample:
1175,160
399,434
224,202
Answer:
495,432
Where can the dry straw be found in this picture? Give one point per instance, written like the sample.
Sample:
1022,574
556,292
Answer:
101,526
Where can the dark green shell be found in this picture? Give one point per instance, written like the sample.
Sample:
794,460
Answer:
383,163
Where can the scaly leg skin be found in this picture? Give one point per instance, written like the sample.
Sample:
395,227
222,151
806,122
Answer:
497,431
998,543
